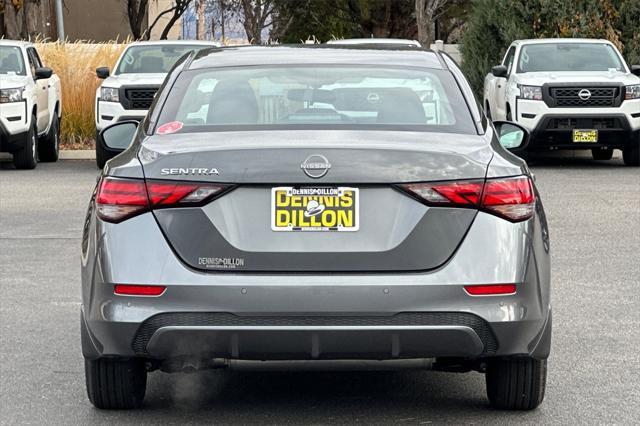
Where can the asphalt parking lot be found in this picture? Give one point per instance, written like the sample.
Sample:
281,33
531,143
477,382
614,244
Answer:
594,213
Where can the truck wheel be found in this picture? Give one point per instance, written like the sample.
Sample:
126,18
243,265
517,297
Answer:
631,156
49,146
27,157
602,154
115,383
101,155
516,383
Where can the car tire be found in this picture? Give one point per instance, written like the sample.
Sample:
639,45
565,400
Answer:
115,383
27,157
49,146
516,383
101,155
631,156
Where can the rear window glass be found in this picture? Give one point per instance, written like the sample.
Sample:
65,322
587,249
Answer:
153,58
317,96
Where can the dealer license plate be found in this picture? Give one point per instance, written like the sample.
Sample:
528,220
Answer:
314,209
581,136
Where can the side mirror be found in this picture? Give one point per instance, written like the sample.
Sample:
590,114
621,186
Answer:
499,71
116,138
635,69
43,73
102,72
512,136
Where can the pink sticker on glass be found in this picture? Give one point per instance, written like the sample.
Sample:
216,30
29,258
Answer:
168,128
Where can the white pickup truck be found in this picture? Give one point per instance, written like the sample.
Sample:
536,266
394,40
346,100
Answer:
569,94
127,93
30,105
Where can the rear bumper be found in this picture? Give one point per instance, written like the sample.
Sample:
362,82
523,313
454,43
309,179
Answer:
315,316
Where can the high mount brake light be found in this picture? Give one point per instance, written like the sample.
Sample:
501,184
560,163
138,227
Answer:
118,199
510,198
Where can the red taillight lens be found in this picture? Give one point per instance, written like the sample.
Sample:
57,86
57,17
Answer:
138,290
163,194
118,199
490,289
510,198
456,193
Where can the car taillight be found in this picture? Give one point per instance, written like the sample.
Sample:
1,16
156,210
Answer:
455,193
510,198
118,199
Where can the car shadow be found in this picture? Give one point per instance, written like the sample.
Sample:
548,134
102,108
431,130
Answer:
303,397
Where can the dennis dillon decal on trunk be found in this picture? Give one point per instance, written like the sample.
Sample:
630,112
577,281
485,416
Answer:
221,262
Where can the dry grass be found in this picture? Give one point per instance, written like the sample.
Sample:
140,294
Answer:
75,64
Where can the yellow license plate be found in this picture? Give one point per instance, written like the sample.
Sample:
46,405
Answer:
314,209
580,136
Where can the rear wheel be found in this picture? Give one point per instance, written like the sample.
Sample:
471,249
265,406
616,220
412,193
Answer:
27,157
516,383
602,154
115,383
631,155
49,146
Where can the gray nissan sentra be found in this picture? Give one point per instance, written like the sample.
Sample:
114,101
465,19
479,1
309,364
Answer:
325,203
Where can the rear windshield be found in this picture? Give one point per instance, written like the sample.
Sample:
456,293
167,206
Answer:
155,58
316,96
11,61
569,57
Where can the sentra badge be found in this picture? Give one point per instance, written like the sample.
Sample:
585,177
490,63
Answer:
179,171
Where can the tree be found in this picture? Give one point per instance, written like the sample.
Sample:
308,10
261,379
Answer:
629,22
200,21
427,13
257,15
137,12
26,19
343,19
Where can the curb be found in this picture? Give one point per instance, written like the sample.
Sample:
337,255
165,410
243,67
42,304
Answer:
77,154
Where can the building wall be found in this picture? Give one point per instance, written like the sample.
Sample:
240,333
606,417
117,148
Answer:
155,8
97,20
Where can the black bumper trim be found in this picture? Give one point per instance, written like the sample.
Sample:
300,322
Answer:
195,319
545,136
